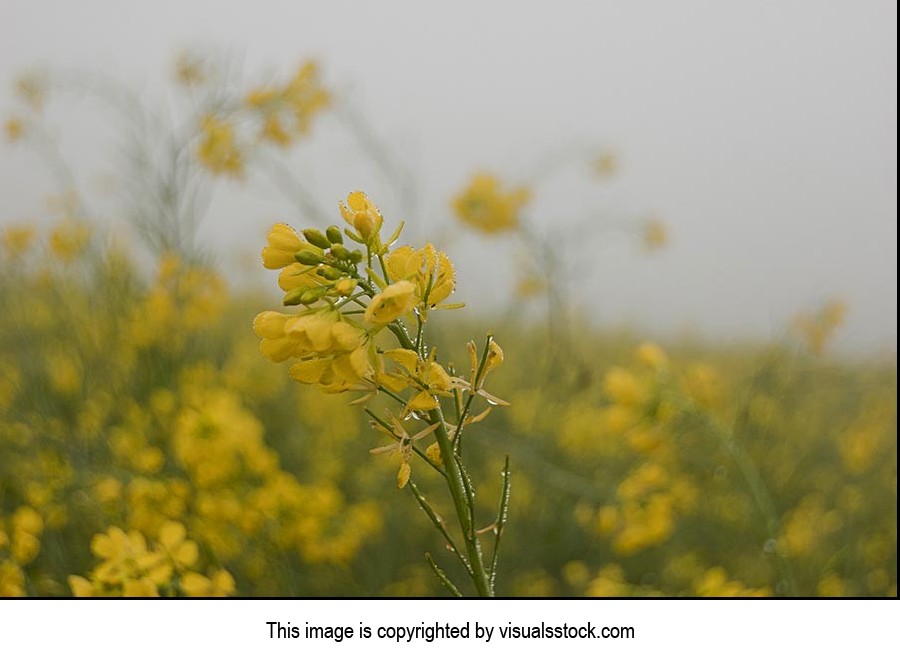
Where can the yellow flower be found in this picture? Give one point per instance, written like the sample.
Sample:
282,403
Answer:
12,581
486,207
391,303
273,131
431,271
189,70
14,129
68,239
182,552
142,587
17,240
217,150
334,374
220,584
655,235
283,244
81,587
606,164
306,96
32,88
651,355
362,215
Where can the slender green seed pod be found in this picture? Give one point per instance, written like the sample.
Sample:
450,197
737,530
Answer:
317,238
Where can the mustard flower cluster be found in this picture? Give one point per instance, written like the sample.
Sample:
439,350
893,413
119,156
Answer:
129,567
485,206
281,114
336,342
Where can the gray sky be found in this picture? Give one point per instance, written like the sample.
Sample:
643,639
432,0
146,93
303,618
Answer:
764,133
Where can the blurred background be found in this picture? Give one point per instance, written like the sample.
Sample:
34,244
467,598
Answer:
763,133
687,210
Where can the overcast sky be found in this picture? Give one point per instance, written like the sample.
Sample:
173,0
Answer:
764,133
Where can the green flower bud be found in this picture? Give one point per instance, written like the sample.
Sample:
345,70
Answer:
292,298
330,273
311,295
340,252
308,257
334,235
356,256
317,238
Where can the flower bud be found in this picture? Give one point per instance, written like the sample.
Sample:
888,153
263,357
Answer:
317,238
330,273
292,298
311,295
356,256
334,235
340,252
308,257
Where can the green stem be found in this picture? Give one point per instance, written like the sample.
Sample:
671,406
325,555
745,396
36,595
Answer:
460,502
763,499
457,489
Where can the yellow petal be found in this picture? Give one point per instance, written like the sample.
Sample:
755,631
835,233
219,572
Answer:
309,371
408,359
445,281
345,336
171,534
437,378
270,324
283,244
403,475
422,402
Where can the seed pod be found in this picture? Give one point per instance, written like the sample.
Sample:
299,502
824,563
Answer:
334,235
340,252
308,257
317,238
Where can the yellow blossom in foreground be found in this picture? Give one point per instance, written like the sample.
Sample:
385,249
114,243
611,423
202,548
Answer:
217,150
391,303
486,207
431,271
362,215
283,244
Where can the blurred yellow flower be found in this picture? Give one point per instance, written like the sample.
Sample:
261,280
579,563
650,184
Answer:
15,128
486,207
217,150
17,239
655,234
